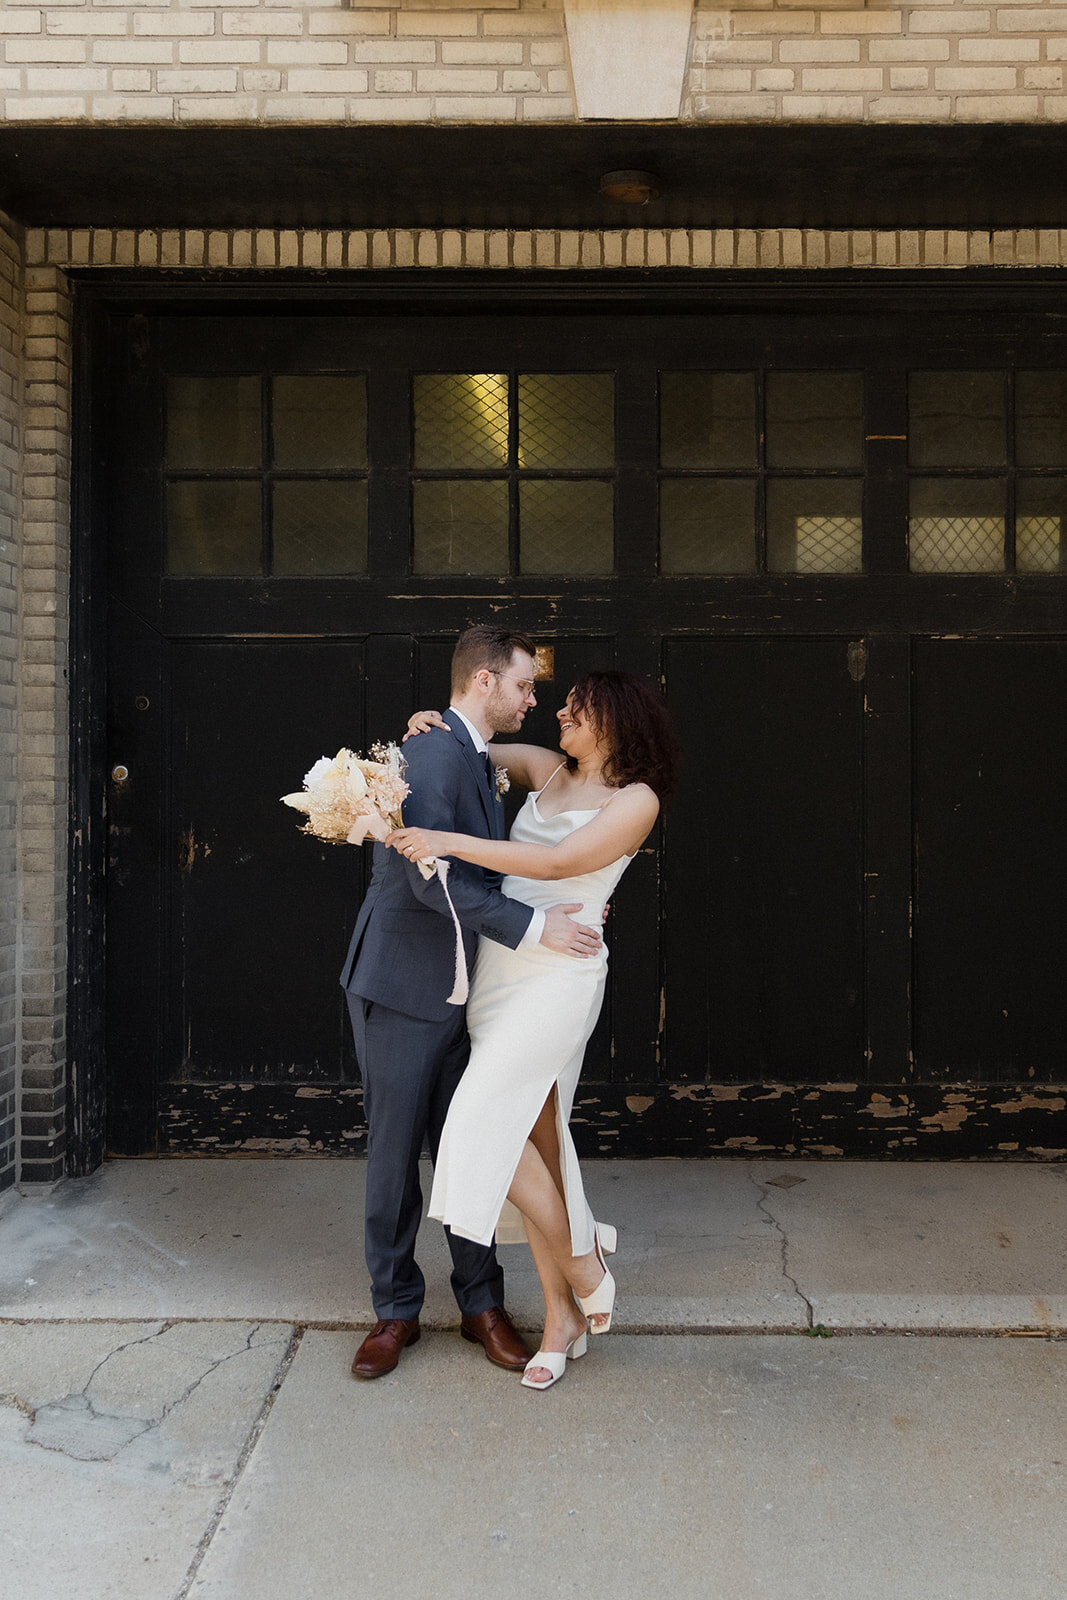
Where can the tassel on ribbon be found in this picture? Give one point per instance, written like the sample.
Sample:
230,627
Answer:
460,988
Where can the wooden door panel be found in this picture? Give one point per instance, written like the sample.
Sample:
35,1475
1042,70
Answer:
763,947
990,865
259,914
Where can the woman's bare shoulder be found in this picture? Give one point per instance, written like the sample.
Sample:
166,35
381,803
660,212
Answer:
632,810
637,797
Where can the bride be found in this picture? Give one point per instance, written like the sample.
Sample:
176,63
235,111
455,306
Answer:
507,1166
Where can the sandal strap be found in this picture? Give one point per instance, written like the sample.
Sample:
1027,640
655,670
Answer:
555,1361
602,1298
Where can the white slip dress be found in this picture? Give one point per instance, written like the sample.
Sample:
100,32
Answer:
530,1015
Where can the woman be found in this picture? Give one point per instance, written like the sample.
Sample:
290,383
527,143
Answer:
507,1166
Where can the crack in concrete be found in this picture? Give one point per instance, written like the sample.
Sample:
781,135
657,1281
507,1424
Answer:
214,1367
230,1487
16,1402
69,1406
108,1433
130,1344
763,1205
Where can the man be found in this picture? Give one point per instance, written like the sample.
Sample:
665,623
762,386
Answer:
411,1043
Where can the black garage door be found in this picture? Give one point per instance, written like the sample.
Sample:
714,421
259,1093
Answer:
834,532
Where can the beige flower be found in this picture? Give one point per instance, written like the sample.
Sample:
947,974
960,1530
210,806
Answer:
341,792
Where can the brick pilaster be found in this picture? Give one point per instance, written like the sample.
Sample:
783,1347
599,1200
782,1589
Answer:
10,447
42,721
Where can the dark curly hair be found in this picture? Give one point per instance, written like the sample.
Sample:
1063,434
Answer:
633,720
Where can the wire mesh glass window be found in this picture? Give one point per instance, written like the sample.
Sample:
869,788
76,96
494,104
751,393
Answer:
773,472
514,473
266,476
987,451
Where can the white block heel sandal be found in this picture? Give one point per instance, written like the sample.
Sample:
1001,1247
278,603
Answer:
555,1361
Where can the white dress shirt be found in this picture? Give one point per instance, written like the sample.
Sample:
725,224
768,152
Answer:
537,921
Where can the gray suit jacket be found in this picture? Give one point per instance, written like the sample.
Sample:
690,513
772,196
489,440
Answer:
402,952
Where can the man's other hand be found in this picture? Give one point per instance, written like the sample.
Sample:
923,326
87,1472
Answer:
569,938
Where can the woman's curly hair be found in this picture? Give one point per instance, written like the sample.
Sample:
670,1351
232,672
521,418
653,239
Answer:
635,724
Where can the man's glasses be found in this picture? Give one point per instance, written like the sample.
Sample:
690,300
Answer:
525,684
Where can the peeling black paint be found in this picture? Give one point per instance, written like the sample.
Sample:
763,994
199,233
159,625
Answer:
923,1122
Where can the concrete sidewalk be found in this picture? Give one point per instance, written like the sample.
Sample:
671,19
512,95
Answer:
177,1418
707,1246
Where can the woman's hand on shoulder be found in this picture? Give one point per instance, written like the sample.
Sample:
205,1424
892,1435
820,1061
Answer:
422,722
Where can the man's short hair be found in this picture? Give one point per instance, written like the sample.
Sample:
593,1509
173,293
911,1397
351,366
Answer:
483,646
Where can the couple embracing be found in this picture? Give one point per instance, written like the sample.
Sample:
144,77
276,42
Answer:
492,1090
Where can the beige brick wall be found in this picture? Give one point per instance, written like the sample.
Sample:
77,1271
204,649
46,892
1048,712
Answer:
10,403
50,249
43,712
436,60
297,63
942,61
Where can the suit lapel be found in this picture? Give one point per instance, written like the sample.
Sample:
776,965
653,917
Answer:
476,763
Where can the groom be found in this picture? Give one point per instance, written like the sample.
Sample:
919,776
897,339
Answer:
411,1044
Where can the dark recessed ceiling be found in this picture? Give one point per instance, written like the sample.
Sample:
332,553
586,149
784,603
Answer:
501,176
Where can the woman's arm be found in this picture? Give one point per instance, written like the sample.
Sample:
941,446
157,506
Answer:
528,765
619,829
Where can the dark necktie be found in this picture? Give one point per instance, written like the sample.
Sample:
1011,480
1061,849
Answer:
489,772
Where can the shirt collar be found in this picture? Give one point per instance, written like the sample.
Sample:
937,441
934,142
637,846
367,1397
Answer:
476,738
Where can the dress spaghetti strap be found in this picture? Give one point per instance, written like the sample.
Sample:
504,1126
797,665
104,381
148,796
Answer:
551,775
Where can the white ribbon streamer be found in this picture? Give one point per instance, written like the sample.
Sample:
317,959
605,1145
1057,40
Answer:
460,988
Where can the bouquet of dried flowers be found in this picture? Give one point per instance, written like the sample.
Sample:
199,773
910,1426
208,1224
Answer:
350,798
347,797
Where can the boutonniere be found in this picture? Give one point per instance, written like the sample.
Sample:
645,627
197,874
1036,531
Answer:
503,782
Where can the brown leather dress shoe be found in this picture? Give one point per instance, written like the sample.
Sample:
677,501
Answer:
499,1338
380,1350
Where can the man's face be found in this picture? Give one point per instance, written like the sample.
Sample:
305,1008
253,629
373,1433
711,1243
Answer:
511,694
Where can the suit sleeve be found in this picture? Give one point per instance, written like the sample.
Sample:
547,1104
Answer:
434,773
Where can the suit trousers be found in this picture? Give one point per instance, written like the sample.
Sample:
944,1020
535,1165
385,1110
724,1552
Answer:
410,1069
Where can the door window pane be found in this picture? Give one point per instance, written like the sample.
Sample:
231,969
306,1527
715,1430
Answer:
461,420
1041,419
815,419
708,419
566,526
956,525
214,528
461,525
1040,509
320,526
815,525
707,525
213,423
566,419
320,422
957,419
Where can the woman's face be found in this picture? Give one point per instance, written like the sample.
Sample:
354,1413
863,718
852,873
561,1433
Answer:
577,734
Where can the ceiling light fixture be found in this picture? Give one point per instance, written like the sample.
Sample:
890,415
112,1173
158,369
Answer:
631,186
